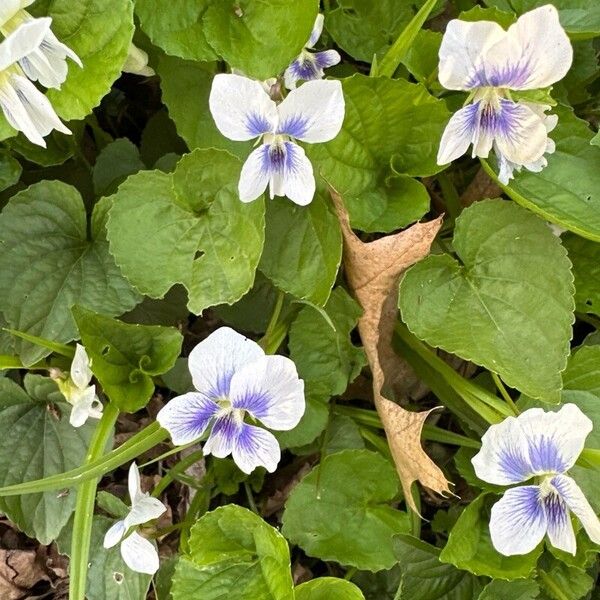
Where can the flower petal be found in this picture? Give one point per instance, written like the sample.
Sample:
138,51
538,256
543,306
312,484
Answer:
186,417
140,554
327,58
303,68
463,49
518,521
223,436
24,40
573,496
270,390
254,447
134,483
314,112
298,179
81,373
114,535
459,134
214,360
241,108
8,9
83,406
560,528
143,510
534,443
255,174
316,32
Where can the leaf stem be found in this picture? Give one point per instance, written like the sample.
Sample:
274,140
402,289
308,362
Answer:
171,476
272,334
84,507
504,393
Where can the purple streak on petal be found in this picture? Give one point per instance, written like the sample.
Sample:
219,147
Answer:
545,456
257,124
556,510
306,68
513,75
515,463
295,126
255,402
502,121
326,59
226,426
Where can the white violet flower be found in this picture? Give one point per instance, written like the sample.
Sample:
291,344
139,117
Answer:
78,391
236,383
310,65
24,106
47,63
487,61
543,446
243,110
139,553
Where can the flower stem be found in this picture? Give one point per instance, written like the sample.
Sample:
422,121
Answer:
271,336
504,393
84,507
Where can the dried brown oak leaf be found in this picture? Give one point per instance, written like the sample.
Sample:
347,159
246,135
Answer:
373,270
19,572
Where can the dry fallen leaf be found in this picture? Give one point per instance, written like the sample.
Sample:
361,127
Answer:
373,270
20,571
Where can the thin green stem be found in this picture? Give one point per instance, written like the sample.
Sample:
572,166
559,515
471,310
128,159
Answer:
589,319
250,498
168,453
84,507
350,573
270,334
504,393
450,195
180,467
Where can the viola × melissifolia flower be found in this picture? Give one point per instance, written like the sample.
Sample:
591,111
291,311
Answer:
24,106
541,446
237,385
487,61
47,63
78,391
310,65
137,62
243,110
138,553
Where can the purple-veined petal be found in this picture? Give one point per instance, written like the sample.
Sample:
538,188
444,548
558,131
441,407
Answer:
214,360
316,32
327,58
143,510
270,391
298,178
140,554
186,417
459,134
571,493
314,112
463,49
518,521
254,447
534,443
224,434
17,115
241,108
24,40
535,53
255,174
114,535
560,528
81,374
303,68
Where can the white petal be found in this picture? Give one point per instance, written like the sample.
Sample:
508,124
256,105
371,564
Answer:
560,527
463,49
298,180
223,436
8,9
81,374
255,175
254,447
143,510
17,115
134,483
114,534
213,361
314,112
316,32
459,134
83,401
577,502
140,554
534,443
270,390
24,40
518,522
186,417
241,108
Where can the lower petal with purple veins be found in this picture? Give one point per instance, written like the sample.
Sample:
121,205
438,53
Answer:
560,528
224,434
254,447
327,58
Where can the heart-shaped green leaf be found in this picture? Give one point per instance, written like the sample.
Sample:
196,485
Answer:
505,303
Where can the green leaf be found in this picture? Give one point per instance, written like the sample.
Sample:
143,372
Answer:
324,356
36,440
421,60
470,548
125,357
177,27
116,161
505,304
112,505
567,191
108,577
504,18
332,518
391,128
328,588
562,582
314,421
306,263
51,259
259,38
10,170
510,590
208,240
233,554
59,148
100,33
585,256
424,577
